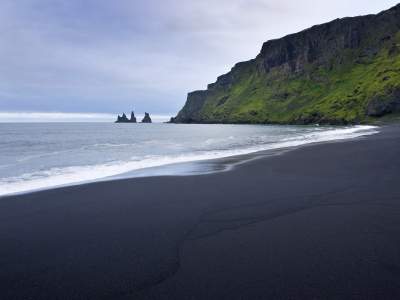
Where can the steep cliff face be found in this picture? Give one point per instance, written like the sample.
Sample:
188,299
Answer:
344,71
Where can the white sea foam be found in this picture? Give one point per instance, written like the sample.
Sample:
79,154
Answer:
79,174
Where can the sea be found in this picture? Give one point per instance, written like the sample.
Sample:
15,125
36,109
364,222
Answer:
35,156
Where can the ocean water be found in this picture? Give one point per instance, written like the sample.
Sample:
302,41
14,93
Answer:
44,155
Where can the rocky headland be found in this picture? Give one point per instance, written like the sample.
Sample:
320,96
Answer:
343,72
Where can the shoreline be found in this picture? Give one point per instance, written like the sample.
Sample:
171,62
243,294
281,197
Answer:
318,222
206,165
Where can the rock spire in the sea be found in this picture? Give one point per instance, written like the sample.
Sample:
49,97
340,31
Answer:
124,118
146,118
133,118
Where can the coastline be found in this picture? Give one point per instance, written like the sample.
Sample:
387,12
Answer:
187,164
320,221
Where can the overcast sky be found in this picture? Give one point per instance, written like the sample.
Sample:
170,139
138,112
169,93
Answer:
111,56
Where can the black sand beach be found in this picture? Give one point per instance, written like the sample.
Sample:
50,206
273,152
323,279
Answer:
319,222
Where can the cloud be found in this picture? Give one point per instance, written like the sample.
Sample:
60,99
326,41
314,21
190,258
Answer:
109,56
9,117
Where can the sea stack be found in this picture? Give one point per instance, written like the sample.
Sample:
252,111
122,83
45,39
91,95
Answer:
124,118
133,118
146,118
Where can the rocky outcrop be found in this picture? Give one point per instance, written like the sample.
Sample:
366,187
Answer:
190,112
344,71
133,118
124,118
381,105
146,118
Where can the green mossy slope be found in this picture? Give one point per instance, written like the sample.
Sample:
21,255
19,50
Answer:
345,71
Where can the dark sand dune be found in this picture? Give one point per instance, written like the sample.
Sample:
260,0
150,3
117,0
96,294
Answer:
319,222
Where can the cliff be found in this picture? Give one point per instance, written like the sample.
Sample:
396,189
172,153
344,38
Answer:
344,71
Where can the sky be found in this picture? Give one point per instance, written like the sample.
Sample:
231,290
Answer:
112,56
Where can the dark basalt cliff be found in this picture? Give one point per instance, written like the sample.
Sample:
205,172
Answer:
344,71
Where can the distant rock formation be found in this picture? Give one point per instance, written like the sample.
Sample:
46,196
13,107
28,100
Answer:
146,118
124,118
133,118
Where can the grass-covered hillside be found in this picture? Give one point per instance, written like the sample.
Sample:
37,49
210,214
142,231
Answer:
345,71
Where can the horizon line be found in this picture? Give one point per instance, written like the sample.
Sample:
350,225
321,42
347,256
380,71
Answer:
53,117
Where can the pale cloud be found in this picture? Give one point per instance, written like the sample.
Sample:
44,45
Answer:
109,56
39,117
